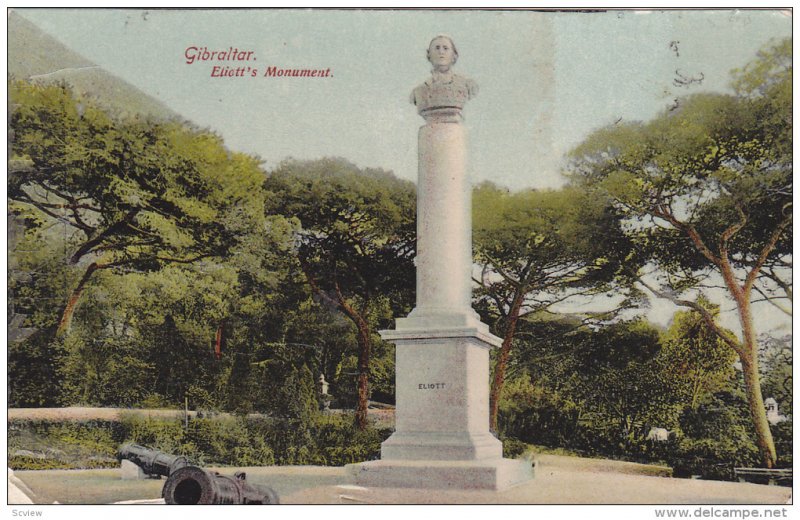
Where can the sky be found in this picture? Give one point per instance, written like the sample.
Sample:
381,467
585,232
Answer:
547,79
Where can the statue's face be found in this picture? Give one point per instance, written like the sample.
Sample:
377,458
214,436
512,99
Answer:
440,53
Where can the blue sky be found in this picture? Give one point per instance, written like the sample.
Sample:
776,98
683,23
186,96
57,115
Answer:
547,79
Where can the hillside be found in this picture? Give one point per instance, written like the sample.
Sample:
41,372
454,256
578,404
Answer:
36,56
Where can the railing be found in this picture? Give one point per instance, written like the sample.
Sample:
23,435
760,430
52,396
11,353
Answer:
772,475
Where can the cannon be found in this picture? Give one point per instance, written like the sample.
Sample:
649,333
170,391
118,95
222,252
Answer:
154,463
191,485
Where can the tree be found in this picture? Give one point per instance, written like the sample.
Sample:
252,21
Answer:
147,336
132,194
593,388
537,249
707,188
356,244
625,383
698,357
36,272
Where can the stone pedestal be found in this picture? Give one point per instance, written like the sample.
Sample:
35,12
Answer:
442,397
130,471
442,437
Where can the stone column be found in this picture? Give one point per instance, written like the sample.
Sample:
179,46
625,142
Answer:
442,437
444,246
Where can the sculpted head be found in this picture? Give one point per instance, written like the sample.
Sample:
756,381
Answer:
442,53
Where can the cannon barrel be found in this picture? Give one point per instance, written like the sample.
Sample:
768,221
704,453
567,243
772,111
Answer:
191,485
152,462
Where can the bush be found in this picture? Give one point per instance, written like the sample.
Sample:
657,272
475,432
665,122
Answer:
513,448
34,364
782,434
325,440
712,459
67,445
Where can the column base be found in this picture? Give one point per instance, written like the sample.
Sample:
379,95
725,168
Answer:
493,474
441,446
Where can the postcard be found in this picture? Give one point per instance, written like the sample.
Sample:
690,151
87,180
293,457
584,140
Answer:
400,256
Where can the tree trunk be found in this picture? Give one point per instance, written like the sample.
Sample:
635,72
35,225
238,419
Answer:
764,441
502,361
752,382
72,302
363,338
748,355
219,340
364,347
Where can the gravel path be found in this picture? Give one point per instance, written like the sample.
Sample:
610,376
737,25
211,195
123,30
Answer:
558,480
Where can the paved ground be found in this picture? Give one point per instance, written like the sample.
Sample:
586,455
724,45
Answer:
558,480
18,492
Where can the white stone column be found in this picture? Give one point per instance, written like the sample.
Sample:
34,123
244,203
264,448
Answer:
442,437
444,221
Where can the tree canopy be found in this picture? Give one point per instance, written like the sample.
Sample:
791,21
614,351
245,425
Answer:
133,194
707,189
355,243
537,249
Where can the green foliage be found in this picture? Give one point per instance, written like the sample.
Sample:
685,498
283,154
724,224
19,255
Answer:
141,336
354,246
34,363
598,391
594,390
777,376
717,437
513,448
536,414
698,358
784,442
329,440
62,445
357,229
714,162
290,392
537,249
131,194
539,245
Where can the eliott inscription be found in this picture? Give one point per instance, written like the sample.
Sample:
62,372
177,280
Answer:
431,386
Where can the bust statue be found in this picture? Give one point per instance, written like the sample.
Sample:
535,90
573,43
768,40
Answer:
441,97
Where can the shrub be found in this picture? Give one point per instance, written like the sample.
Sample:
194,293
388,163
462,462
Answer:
68,445
782,434
513,448
327,440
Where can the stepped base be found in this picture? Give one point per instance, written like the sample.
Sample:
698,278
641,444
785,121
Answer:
441,446
493,474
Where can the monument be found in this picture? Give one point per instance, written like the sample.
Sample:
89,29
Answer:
442,437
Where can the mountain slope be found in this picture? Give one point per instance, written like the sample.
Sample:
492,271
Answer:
36,56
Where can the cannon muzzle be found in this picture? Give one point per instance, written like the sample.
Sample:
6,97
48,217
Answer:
152,462
191,485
